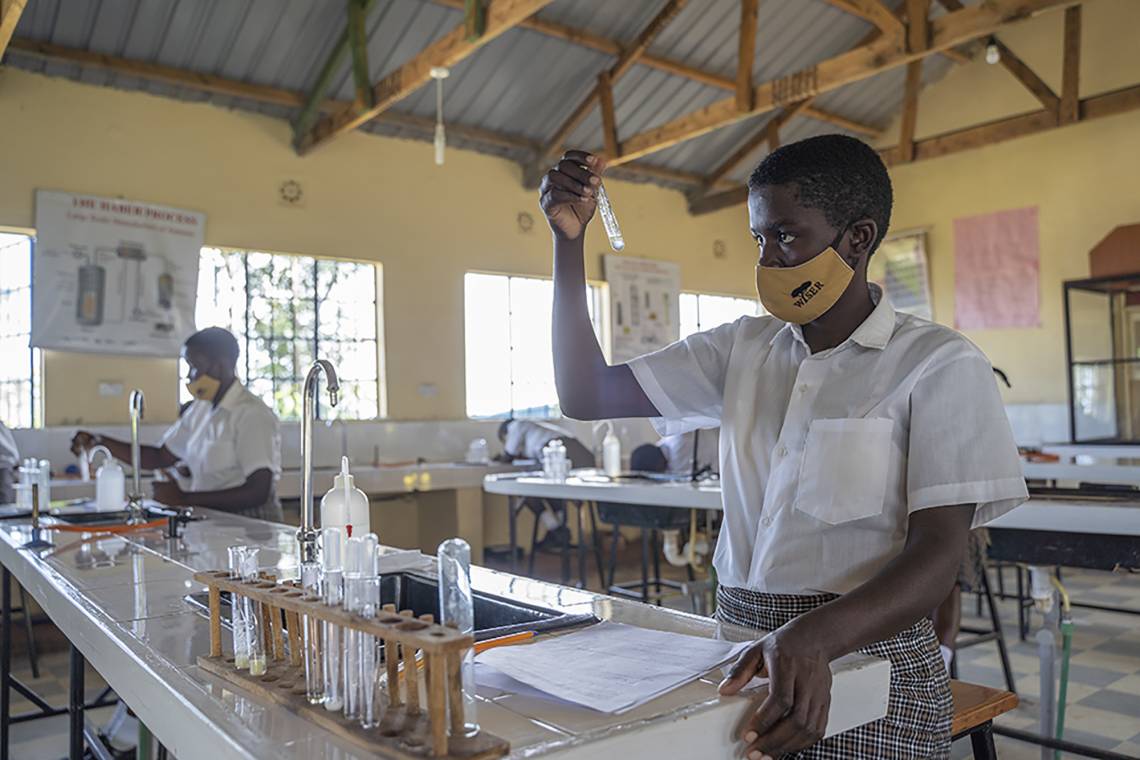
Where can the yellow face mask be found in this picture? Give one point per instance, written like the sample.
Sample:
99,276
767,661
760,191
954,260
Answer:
204,387
804,293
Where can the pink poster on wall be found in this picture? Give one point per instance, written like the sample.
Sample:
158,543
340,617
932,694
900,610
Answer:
996,267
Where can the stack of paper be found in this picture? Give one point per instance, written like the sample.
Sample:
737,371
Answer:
612,667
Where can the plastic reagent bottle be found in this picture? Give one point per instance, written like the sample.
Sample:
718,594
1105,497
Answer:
457,609
345,506
609,220
332,589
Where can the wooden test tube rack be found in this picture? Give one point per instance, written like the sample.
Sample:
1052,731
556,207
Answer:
406,730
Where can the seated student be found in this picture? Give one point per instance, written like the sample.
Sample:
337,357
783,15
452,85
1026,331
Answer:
858,445
9,461
525,439
678,453
227,438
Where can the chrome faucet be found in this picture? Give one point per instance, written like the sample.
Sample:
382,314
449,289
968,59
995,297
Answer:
307,535
137,404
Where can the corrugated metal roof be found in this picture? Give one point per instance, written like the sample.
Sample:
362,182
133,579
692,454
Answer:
524,83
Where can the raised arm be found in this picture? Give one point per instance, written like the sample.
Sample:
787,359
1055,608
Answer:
588,387
151,457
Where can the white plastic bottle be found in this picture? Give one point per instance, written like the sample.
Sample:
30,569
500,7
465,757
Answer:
110,483
611,453
345,506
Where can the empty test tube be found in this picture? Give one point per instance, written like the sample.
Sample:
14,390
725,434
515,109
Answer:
371,684
331,634
237,612
356,563
609,220
457,609
311,633
257,658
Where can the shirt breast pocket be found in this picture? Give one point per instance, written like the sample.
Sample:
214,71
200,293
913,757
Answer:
221,456
843,474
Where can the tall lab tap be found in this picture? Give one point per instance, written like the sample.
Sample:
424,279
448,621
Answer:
137,404
307,535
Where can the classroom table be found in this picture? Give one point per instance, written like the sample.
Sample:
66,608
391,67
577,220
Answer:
120,602
1085,469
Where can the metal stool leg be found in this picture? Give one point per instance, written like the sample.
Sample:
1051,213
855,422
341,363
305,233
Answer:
656,565
75,708
644,565
33,657
533,547
514,506
1022,615
595,541
615,535
582,580
995,621
982,741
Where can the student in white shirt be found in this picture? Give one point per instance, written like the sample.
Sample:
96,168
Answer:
227,438
9,461
858,445
525,439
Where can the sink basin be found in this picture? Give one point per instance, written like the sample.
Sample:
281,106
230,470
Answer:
494,615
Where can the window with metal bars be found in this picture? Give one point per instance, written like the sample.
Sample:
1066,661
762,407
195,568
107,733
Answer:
21,366
286,311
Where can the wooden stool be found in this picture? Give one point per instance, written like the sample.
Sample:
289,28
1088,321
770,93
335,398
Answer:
975,707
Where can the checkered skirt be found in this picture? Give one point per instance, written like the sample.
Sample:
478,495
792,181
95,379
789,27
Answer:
917,724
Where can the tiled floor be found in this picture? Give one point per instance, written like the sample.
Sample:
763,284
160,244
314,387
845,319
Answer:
1104,687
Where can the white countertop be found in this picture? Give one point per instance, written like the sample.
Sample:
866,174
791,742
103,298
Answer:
1074,516
1087,469
594,486
119,599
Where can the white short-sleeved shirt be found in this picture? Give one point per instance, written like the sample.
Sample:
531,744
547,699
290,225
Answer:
526,439
223,446
678,450
825,456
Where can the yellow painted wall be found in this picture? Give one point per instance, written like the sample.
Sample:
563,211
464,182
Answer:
366,197
1082,178
380,199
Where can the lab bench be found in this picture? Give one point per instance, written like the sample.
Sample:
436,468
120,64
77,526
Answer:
120,600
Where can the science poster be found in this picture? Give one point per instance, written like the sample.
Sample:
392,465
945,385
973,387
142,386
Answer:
644,315
113,276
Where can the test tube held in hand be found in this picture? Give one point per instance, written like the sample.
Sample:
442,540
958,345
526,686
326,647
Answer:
609,220
457,609
237,612
332,638
258,663
311,633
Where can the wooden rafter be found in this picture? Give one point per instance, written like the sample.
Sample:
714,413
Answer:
1108,104
215,85
746,54
606,104
453,47
10,11
625,60
910,109
1071,66
917,29
769,133
1028,77
851,125
948,31
872,11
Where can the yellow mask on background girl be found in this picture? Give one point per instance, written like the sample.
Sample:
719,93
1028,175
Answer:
804,293
204,387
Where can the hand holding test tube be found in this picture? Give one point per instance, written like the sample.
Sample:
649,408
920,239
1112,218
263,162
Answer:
567,191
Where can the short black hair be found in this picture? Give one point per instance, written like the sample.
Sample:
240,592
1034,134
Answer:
647,458
216,342
841,176
505,427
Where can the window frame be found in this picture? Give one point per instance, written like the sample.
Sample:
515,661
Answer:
35,377
597,290
699,293
377,305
